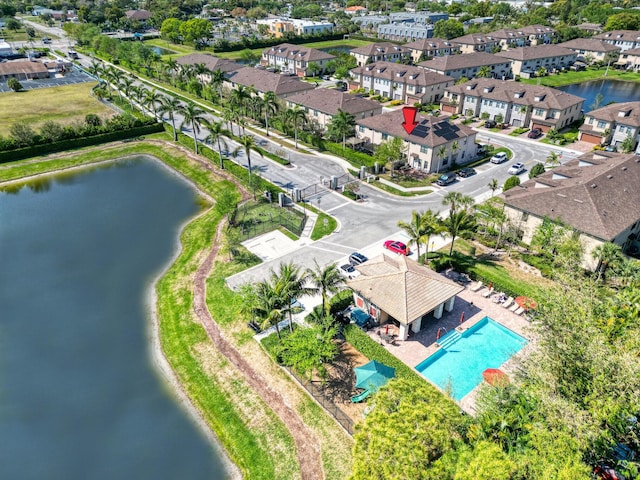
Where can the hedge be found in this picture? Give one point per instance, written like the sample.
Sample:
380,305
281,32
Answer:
357,159
53,147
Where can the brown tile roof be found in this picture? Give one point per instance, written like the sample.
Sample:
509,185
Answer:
508,34
590,44
401,287
296,52
536,51
474,39
22,66
634,52
596,193
138,14
380,48
612,113
212,62
425,44
329,101
516,92
431,131
264,81
537,30
467,60
402,73
620,35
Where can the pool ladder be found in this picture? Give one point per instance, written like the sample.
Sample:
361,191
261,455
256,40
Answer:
449,339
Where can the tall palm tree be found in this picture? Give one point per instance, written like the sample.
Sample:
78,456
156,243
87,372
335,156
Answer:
239,97
95,69
152,100
216,130
414,229
295,115
170,106
343,124
493,186
442,152
115,77
455,147
290,283
217,79
431,225
230,115
607,254
458,223
484,72
268,306
247,142
269,107
139,94
553,160
126,85
326,280
192,115
457,200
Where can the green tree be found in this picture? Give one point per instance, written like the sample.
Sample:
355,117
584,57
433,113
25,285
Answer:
14,84
248,143
458,223
264,302
249,57
192,115
493,186
537,170
484,72
22,133
432,225
269,107
512,181
448,29
414,229
390,153
607,254
325,280
170,106
217,80
296,116
216,131
342,125
170,30
553,160
308,349
457,201
623,21
289,282
196,31
627,144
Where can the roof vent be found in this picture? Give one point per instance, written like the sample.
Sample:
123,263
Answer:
518,95
488,89
576,200
624,169
539,98
609,177
593,185
624,113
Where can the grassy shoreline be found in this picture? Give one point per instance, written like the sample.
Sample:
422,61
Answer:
570,78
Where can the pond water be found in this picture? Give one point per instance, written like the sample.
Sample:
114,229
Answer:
162,51
79,397
611,91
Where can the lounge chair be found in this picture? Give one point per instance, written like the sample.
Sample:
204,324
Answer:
514,307
519,311
508,302
477,287
487,293
361,396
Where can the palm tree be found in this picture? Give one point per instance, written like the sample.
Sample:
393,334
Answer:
607,254
293,115
289,283
325,281
268,306
431,225
553,160
484,72
169,106
139,94
442,152
414,229
343,124
95,69
270,107
456,200
193,116
216,130
230,115
493,186
217,79
152,100
127,84
455,147
458,223
247,142
239,97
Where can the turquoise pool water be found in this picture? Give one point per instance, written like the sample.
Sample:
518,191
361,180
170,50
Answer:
458,366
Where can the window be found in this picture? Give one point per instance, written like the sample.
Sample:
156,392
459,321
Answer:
385,136
590,122
360,128
539,112
424,149
601,124
525,216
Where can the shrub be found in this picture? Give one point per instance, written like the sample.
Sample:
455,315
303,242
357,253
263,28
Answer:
511,182
537,169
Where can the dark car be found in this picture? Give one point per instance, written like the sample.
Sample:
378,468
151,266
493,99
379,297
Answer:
610,148
490,124
356,258
535,133
446,179
397,247
466,172
46,40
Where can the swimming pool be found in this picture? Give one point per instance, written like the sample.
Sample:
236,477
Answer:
457,367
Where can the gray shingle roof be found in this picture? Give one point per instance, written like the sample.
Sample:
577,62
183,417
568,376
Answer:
329,101
430,131
264,81
590,44
620,35
535,52
212,62
402,73
611,113
467,60
596,193
401,287
425,44
297,52
380,48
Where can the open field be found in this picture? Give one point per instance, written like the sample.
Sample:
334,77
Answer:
568,78
60,104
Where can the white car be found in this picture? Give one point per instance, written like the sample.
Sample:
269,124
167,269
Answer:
516,169
499,157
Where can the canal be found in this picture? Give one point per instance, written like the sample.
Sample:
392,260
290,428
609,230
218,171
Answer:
603,92
79,395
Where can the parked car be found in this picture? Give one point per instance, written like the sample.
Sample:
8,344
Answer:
516,169
535,133
466,172
446,179
46,40
610,148
499,157
356,258
490,124
397,247
326,77
348,270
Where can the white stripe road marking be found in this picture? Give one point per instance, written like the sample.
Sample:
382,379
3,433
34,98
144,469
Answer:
339,206
324,249
337,245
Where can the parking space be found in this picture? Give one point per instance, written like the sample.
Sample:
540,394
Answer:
71,78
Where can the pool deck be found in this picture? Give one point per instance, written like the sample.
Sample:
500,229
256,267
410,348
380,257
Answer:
475,307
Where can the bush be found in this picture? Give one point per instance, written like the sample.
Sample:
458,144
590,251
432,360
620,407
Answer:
537,169
511,182
357,159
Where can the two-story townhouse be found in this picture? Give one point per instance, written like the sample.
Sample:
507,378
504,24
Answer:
262,81
211,63
403,31
539,34
469,65
629,60
519,104
295,59
380,52
322,104
400,82
434,144
476,42
613,124
590,50
624,39
428,48
526,61
595,195
510,38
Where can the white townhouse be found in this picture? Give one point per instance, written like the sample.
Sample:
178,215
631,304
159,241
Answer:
428,48
476,42
528,60
539,34
469,65
629,60
612,125
624,39
295,59
380,52
590,50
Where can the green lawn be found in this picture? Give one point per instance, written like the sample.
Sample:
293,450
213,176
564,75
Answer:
179,49
567,78
64,104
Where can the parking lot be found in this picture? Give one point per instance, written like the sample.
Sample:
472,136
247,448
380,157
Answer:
71,77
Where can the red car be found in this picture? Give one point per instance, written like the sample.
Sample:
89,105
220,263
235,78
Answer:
397,247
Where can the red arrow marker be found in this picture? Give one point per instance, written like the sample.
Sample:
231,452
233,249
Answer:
409,118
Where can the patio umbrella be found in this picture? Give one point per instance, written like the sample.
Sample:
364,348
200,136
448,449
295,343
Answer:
495,377
461,318
373,375
526,302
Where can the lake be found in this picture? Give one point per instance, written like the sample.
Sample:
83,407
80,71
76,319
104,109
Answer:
79,396
611,90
